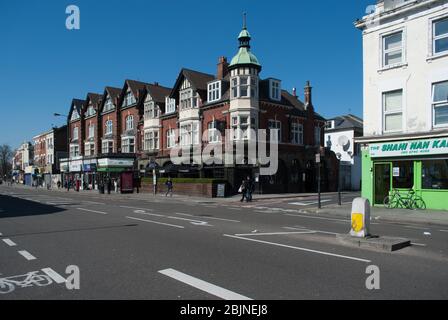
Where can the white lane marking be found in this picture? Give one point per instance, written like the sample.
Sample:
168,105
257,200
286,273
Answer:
94,202
443,230
300,249
94,211
126,207
28,256
418,244
9,242
274,233
203,285
1,234
318,231
417,228
307,203
205,218
230,208
319,218
150,221
54,275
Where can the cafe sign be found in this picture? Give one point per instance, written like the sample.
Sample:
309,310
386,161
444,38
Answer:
409,148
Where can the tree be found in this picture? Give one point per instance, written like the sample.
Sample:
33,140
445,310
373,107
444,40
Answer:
5,160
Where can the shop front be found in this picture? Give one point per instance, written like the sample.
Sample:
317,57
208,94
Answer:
117,170
420,165
89,168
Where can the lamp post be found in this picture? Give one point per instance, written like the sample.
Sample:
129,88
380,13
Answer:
339,156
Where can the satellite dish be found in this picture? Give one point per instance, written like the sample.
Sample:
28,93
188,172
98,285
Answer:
344,141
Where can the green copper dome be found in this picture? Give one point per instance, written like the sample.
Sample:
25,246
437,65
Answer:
244,56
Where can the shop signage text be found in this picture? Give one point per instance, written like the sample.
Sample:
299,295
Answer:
409,148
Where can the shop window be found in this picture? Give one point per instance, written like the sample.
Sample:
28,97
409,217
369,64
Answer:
403,175
435,174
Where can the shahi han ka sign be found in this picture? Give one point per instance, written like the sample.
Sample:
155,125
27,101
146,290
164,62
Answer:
409,148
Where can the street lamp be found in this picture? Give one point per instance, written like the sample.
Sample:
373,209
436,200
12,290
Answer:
339,156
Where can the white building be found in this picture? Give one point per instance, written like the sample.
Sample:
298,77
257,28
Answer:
340,134
405,45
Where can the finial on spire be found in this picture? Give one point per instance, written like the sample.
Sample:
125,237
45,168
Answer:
244,20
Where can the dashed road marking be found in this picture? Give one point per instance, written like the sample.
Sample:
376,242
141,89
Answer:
203,285
443,230
209,218
54,275
299,248
28,256
94,211
156,222
418,244
274,233
9,242
136,208
319,218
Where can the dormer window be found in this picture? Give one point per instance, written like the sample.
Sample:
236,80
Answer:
151,110
170,105
108,105
214,91
90,111
129,99
274,90
75,115
188,99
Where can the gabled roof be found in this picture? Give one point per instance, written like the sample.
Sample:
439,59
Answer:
95,98
197,79
135,86
157,92
78,105
114,93
347,121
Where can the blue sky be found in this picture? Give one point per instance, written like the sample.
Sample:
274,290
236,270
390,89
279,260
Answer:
43,65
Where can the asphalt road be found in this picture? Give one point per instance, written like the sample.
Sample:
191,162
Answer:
158,248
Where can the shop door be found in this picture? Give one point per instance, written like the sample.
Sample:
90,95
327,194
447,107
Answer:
382,182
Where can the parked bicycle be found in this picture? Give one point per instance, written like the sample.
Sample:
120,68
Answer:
409,201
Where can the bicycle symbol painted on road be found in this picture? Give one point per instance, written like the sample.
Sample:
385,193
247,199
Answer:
30,279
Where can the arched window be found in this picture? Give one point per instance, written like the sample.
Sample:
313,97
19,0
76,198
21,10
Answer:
130,122
109,127
75,133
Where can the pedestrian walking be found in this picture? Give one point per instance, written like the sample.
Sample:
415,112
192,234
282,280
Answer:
243,190
59,184
115,185
109,185
169,185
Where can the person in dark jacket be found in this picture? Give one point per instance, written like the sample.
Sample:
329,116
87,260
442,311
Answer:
243,189
169,185
250,189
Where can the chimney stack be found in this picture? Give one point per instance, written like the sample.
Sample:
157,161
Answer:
294,92
156,84
222,68
308,96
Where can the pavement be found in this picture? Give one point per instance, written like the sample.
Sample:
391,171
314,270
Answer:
140,247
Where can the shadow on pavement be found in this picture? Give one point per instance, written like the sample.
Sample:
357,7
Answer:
14,207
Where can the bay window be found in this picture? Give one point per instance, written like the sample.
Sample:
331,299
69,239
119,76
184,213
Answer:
128,145
151,110
392,111
241,126
108,105
243,84
189,134
129,99
440,103
151,140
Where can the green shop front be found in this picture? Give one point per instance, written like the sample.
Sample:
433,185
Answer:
120,169
420,164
